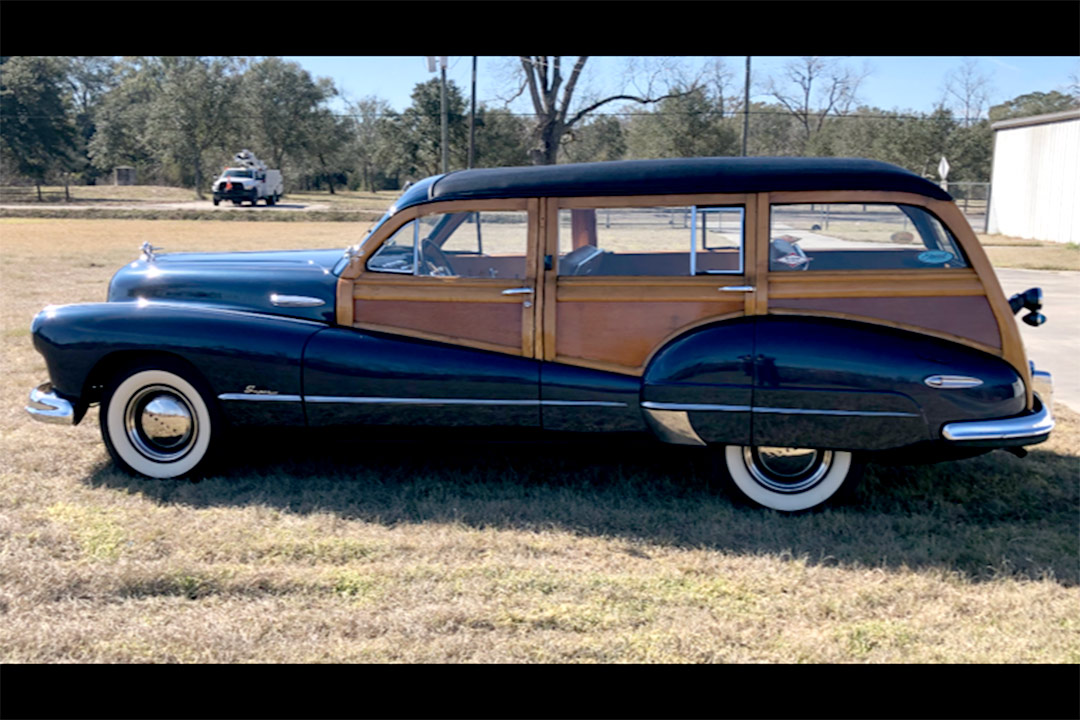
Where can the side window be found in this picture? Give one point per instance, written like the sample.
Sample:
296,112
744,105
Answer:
396,254
651,241
853,236
463,244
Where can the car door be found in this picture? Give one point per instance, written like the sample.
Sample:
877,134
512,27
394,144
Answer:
442,324
632,275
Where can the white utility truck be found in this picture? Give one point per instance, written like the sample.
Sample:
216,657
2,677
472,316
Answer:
248,179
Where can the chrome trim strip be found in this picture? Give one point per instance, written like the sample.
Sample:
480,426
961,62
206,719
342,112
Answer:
693,240
952,382
673,426
455,401
354,399
518,291
650,405
232,311
790,411
1039,422
736,288
48,407
841,413
412,401
583,403
295,300
259,397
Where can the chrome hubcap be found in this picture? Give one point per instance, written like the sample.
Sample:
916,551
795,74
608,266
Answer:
160,423
787,470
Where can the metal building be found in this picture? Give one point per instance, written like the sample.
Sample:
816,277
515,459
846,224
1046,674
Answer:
1035,182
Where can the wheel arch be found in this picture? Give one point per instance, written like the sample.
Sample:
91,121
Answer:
112,364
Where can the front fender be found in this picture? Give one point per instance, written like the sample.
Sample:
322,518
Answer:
235,352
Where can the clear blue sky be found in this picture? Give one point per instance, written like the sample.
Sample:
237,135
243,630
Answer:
905,83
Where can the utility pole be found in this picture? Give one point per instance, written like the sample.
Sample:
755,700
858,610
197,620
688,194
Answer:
472,114
445,140
445,134
746,109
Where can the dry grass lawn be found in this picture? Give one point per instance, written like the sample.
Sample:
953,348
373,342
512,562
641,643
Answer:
1010,252
312,548
124,195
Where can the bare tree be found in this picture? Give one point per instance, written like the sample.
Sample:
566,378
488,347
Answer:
1073,88
967,92
814,88
552,96
722,79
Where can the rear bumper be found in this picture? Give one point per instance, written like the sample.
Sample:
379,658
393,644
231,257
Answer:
1026,429
46,406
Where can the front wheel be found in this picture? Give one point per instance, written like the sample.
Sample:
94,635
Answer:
158,421
790,479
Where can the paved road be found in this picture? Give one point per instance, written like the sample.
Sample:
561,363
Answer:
1054,346
189,205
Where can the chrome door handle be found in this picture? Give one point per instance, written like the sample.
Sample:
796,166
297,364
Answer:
295,301
518,291
737,288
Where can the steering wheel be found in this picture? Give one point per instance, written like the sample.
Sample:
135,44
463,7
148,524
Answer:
435,259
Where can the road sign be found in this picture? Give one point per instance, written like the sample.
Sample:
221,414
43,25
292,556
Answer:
943,168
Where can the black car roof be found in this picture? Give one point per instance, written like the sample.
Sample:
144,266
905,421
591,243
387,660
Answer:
681,175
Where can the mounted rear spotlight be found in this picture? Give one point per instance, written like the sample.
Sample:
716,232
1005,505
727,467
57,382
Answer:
1034,319
1029,300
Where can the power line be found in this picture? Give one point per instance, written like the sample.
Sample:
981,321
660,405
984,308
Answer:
726,115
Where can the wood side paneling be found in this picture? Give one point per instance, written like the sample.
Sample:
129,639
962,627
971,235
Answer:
626,333
550,240
497,324
961,318
873,283
344,302
760,297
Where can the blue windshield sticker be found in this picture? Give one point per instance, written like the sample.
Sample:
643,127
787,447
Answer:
935,257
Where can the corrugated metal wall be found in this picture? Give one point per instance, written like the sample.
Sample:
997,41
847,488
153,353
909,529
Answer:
1035,190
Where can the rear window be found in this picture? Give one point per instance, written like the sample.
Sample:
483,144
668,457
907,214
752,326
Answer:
856,236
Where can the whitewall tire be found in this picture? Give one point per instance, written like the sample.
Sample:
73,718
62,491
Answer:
157,423
790,479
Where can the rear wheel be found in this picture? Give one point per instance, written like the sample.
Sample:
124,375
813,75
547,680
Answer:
790,479
159,420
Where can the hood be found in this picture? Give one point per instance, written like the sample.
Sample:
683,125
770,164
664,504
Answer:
290,283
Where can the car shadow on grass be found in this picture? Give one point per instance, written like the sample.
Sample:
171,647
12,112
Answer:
987,517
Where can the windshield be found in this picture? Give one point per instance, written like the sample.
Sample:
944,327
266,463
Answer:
237,173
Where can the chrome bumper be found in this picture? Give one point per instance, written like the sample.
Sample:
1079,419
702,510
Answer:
1034,426
46,406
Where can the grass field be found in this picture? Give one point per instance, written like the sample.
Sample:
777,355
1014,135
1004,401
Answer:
116,195
334,548
1005,251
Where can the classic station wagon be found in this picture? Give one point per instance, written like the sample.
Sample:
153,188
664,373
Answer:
798,315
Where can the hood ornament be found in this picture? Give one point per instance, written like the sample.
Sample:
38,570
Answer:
148,251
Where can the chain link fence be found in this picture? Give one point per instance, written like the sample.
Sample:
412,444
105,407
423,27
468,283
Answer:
973,199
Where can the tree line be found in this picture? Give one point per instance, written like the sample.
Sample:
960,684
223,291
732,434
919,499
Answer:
178,120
